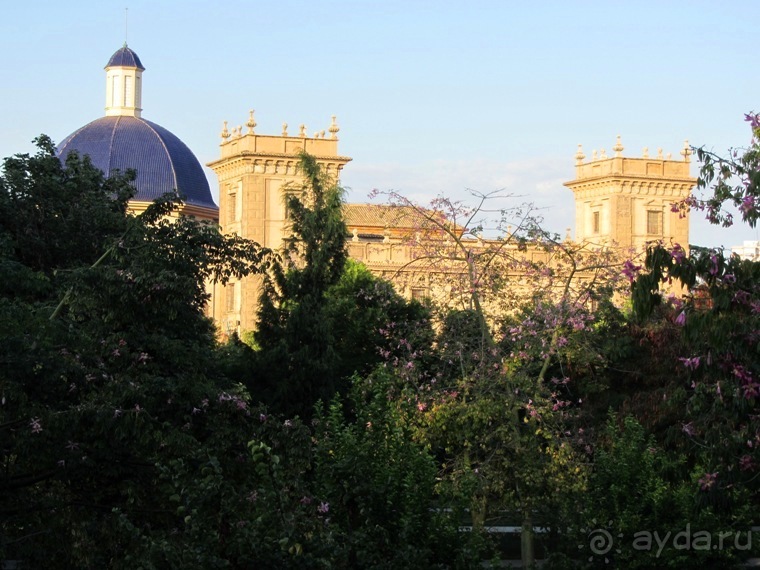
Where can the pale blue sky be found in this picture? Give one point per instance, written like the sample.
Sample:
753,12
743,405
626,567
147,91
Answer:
431,97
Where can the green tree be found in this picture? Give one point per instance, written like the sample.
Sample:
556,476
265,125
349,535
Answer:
713,347
379,487
109,364
297,358
372,323
499,405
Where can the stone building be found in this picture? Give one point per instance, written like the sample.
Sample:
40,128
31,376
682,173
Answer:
254,171
620,202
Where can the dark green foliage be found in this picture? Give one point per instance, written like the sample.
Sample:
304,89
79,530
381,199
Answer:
51,214
637,489
297,358
380,486
321,318
716,330
371,322
106,356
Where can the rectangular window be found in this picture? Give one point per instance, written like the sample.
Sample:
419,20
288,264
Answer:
654,222
229,300
231,206
127,90
419,293
115,92
596,224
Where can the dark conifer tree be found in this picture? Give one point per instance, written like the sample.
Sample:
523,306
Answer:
297,361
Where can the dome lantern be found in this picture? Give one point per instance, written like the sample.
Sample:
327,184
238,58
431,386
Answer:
124,84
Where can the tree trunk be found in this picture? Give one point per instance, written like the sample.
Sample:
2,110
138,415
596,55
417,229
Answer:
478,513
527,552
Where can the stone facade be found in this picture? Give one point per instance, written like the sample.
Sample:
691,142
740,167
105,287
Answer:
254,172
627,201
620,202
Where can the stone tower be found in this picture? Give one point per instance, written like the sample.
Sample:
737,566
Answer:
254,173
628,201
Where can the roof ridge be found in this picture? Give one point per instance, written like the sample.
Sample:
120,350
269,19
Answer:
166,149
110,146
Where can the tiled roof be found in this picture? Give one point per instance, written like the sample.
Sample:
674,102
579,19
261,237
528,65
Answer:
125,57
391,217
162,161
382,216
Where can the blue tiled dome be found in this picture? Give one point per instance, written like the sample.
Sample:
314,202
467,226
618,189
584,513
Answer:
162,161
125,57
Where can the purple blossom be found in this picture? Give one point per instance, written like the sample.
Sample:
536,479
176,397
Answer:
747,205
630,270
36,425
678,254
713,264
708,481
681,319
690,363
323,507
753,119
742,297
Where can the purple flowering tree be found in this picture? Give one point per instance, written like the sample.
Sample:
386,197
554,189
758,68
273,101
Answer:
732,180
717,376
495,399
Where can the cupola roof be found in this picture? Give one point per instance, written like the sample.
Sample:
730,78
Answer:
125,57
